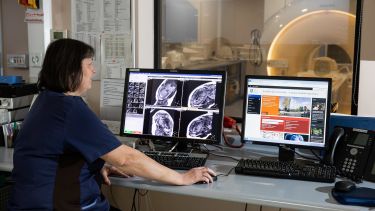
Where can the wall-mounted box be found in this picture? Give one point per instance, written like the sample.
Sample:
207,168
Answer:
18,60
36,59
59,34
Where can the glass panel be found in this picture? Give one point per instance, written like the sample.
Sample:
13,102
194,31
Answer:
313,38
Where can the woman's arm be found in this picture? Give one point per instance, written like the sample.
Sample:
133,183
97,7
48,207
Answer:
134,162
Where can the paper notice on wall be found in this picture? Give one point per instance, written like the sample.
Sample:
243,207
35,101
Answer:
111,92
117,54
114,69
114,46
87,16
116,16
34,16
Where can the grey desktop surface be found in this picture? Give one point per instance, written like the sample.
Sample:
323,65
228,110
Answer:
282,193
293,194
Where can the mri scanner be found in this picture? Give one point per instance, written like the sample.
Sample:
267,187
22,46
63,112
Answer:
317,44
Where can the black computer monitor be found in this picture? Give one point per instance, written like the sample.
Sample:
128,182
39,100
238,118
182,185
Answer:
286,111
173,105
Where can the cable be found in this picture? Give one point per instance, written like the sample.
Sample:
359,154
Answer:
255,51
225,156
305,157
226,141
214,145
317,156
174,146
143,194
134,208
138,199
299,154
227,174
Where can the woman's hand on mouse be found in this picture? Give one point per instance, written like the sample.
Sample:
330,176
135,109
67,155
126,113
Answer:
197,174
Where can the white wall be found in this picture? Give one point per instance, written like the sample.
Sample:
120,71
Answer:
366,96
39,37
144,33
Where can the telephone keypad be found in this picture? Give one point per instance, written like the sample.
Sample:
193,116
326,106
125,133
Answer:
349,165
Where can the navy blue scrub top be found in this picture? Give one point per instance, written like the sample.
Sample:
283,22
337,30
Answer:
57,156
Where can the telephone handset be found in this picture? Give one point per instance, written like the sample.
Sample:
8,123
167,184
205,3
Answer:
350,153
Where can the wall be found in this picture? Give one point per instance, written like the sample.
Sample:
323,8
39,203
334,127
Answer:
144,30
366,94
245,19
14,35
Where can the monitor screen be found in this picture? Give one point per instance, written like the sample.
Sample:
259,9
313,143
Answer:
291,111
178,105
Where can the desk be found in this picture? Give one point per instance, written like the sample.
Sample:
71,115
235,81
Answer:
291,194
283,193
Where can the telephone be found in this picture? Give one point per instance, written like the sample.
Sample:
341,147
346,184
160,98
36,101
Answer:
351,150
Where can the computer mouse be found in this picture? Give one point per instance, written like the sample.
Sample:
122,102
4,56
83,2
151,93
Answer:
214,178
344,186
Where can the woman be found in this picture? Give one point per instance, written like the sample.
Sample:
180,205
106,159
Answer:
62,147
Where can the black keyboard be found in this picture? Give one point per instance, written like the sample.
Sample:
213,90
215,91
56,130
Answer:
287,170
178,160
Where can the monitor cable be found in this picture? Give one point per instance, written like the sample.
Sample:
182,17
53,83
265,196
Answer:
255,50
211,152
173,147
226,174
137,199
316,155
299,154
134,207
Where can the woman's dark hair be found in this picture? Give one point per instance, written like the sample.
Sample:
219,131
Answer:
62,69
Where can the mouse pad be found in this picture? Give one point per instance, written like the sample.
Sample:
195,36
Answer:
359,196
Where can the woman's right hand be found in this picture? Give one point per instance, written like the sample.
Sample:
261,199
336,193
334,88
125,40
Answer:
198,174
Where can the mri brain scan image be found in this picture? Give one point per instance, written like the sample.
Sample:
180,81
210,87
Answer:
203,96
200,127
162,124
166,92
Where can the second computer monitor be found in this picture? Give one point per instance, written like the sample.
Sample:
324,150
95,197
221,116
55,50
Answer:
292,111
178,105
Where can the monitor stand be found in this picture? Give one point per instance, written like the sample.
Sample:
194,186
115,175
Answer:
185,147
286,155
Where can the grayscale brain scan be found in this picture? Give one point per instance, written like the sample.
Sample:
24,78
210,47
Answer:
162,124
200,127
166,92
203,96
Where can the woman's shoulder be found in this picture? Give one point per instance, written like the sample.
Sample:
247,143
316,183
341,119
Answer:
60,99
